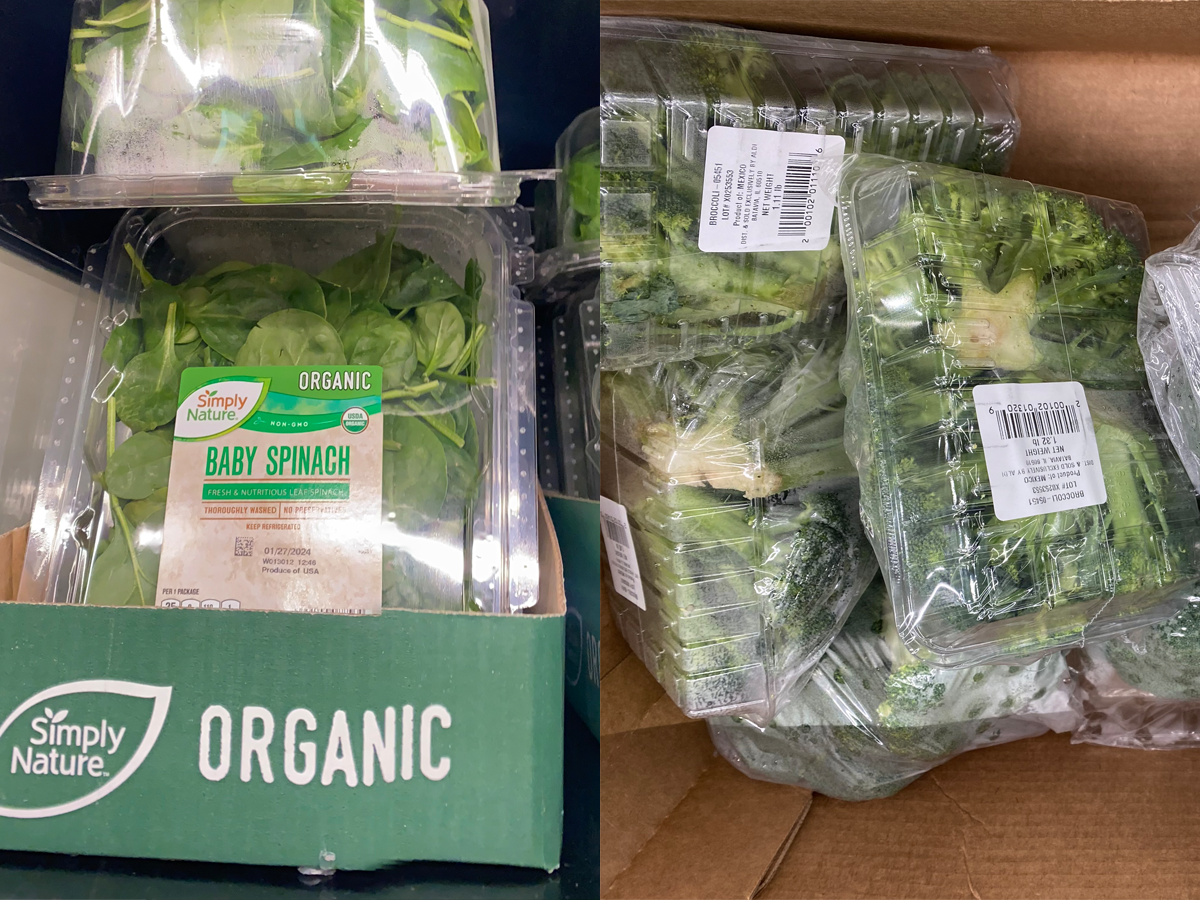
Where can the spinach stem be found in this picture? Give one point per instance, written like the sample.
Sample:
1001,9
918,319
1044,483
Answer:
127,531
111,431
402,393
455,39
436,425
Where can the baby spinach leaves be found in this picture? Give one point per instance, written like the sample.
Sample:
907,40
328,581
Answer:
298,89
385,305
140,466
292,337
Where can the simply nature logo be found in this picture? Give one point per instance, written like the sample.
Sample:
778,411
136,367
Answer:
216,409
67,746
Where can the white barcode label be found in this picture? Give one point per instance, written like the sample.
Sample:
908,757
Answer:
768,190
1040,448
622,562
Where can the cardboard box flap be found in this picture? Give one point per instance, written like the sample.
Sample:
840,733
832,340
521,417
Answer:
678,820
1161,26
1036,818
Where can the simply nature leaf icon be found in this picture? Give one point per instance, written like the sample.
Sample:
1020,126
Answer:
93,700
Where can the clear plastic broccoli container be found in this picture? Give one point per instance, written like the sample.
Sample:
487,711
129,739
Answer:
1142,690
203,102
1169,335
1018,486
742,512
577,155
691,112
568,362
424,293
872,719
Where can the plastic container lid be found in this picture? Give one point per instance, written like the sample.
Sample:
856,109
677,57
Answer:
1017,481
280,100
664,85
459,528
872,719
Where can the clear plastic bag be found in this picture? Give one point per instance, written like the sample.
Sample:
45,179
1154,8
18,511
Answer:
284,98
664,85
872,718
319,285
1142,690
962,282
1169,335
743,512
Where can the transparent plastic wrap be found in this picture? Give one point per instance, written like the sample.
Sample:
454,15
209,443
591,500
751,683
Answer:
424,293
192,101
1142,690
577,155
743,514
872,719
993,372
1169,335
665,85
568,361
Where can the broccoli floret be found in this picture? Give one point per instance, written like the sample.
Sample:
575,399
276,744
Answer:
1165,660
644,299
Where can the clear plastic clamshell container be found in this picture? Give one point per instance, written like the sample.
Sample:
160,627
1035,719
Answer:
872,719
200,102
577,156
1169,335
458,521
568,363
664,85
1017,482
743,515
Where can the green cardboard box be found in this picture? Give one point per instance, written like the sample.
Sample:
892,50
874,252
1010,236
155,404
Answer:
282,738
577,524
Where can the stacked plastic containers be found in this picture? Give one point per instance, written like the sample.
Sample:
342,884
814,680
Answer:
237,113
566,301
665,84
873,718
1143,690
723,437
1016,477
568,363
209,103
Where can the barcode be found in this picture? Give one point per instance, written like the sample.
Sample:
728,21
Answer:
795,214
615,531
1038,423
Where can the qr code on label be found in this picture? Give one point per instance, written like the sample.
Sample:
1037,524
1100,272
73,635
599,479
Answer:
243,546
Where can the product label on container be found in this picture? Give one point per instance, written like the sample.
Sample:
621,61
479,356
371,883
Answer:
622,561
768,190
1040,448
275,491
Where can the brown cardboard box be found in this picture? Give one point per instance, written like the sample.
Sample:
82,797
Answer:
1110,105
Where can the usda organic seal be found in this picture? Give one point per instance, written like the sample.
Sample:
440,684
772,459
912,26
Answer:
355,419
